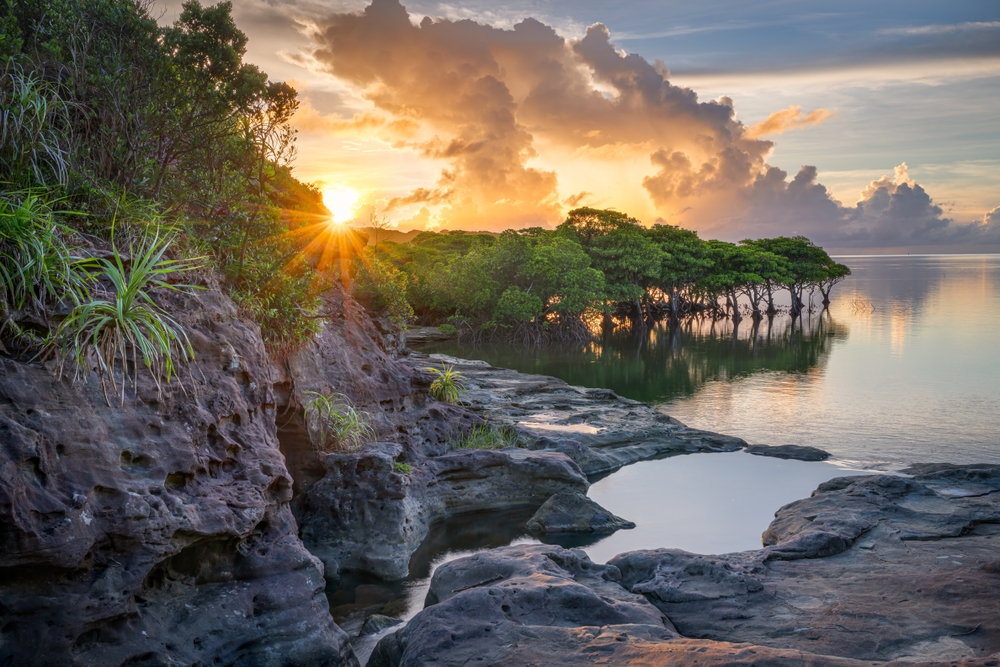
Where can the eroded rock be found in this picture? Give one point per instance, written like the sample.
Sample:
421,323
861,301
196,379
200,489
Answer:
574,513
598,429
903,576
158,531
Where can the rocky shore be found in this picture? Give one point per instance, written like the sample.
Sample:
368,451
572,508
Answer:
199,525
867,570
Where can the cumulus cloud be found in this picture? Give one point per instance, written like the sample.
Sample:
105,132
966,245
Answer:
788,119
482,99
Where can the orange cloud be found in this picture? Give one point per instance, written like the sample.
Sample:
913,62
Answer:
308,119
791,118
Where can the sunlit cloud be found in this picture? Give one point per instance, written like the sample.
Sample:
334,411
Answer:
943,29
791,118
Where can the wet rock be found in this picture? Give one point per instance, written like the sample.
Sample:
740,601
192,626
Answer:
799,452
574,513
158,531
365,518
376,623
598,429
869,570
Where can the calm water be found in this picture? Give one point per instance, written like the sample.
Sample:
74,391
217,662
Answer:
904,367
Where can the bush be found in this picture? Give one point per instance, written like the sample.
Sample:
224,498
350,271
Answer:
448,385
401,468
106,330
284,302
487,436
334,424
448,329
382,288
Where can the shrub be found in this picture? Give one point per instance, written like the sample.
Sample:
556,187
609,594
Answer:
382,287
448,385
487,436
284,305
334,424
32,122
108,329
448,329
401,468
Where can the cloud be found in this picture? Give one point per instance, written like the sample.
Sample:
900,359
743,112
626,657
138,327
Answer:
788,119
943,29
482,99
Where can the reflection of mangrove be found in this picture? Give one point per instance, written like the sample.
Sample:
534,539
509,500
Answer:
667,363
467,533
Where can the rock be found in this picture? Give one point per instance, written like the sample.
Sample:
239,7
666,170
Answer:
799,452
598,429
368,519
376,623
574,513
914,590
424,335
158,531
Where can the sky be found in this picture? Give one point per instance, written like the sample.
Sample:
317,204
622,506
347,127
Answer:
865,126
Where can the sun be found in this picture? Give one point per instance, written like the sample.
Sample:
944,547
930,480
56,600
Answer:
341,201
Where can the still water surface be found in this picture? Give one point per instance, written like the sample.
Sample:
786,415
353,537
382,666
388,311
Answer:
903,368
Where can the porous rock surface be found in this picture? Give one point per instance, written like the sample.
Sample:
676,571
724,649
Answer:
158,532
869,570
597,428
574,513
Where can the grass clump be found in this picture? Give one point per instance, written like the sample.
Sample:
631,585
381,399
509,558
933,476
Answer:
401,468
334,424
487,436
448,385
106,330
37,269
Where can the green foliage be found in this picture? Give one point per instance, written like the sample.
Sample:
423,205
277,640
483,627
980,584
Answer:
37,269
33,123
381,287
283,299
448,329
334,424
401,468
487,436
127,322
448,385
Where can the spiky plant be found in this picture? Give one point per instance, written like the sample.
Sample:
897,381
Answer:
335,424
37,269
448,385
126,323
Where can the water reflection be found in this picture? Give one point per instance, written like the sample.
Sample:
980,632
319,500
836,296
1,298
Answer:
903,368
667,363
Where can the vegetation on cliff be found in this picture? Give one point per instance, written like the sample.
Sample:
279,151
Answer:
108,120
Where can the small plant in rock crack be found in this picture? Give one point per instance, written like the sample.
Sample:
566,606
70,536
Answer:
448,385
402,468
334,424
113,330
487,436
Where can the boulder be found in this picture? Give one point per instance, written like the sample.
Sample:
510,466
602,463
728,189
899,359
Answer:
574,513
